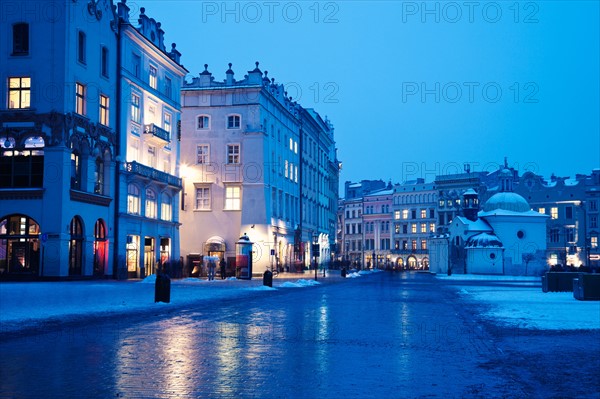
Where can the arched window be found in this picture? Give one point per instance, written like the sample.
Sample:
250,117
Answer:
150,204
133,199
99,176
19,245
100,248
76,246
166,212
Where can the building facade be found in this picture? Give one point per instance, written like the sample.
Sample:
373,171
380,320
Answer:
57,139
415,219
377,226
256,164
150,79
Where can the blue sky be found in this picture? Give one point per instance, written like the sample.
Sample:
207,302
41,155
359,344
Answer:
415,89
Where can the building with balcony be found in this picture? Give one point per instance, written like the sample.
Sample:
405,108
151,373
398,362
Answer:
150,79
256,164
58,119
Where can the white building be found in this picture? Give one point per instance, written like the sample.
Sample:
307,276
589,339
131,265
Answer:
506,237
57,138
148,185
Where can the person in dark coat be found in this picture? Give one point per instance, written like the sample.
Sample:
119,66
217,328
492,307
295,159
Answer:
223,267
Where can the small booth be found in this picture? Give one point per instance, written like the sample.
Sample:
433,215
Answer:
243,258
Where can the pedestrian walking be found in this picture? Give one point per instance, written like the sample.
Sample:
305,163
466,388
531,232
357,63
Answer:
211,269
223,267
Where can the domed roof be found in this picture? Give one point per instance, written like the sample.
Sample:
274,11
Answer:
507,201
483,240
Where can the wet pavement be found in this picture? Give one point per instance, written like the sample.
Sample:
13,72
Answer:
379,336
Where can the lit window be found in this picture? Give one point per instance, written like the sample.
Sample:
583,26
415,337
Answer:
286,168
104,110
232,198
432,227
423,244
203,198
542,210
20,39
150,204
203,122
405,214
423,214
423,227
233,122
19,93
81,47
165,208
152,80
99,177
135,108
133,200
442,203
202,154
396,215
75,171
167,123
594,242
80,98
554,213
413,245
413,228
233,153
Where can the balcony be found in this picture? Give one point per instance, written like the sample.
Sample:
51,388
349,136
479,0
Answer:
153,174
160,135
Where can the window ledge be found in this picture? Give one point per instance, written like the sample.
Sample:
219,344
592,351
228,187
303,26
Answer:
21,193
90,198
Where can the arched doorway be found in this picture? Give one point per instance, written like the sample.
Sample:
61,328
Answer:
19,245
425,263
412,262
400,263
100,248
76,247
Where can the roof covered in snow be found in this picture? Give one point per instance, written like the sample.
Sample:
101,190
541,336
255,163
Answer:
508,201
477,225
483,240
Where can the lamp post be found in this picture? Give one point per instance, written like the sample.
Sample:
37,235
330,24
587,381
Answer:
315,251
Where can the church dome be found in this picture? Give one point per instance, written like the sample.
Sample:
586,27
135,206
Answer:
507,201
484,240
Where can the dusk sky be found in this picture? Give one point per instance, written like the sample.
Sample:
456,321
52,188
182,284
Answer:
416,89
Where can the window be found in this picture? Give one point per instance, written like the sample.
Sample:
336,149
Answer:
165,208
423,227
168,87
75,171
99,177
167,123
104,110
404,229
150,204
202,154
413,245
570,235
19,93
554,235
413,214
432,227
233,153
22,168
233,122
405,214
80,98
594,242
136,65
413,228
593,222
404,245
542,210
135,108
152,156
396,215
432,213
203,198
20,39
442,203
104,61
233,198
593,205
554,213
423,214
133,200
152,79
569,212
423,244
203,122
81,47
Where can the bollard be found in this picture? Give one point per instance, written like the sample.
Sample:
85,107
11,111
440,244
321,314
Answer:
268,279
162,288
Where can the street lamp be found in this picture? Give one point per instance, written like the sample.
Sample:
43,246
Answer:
315,251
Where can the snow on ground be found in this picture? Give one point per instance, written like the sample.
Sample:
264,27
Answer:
523,304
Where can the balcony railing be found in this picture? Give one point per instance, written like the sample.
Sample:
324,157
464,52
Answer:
151,173
157,132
